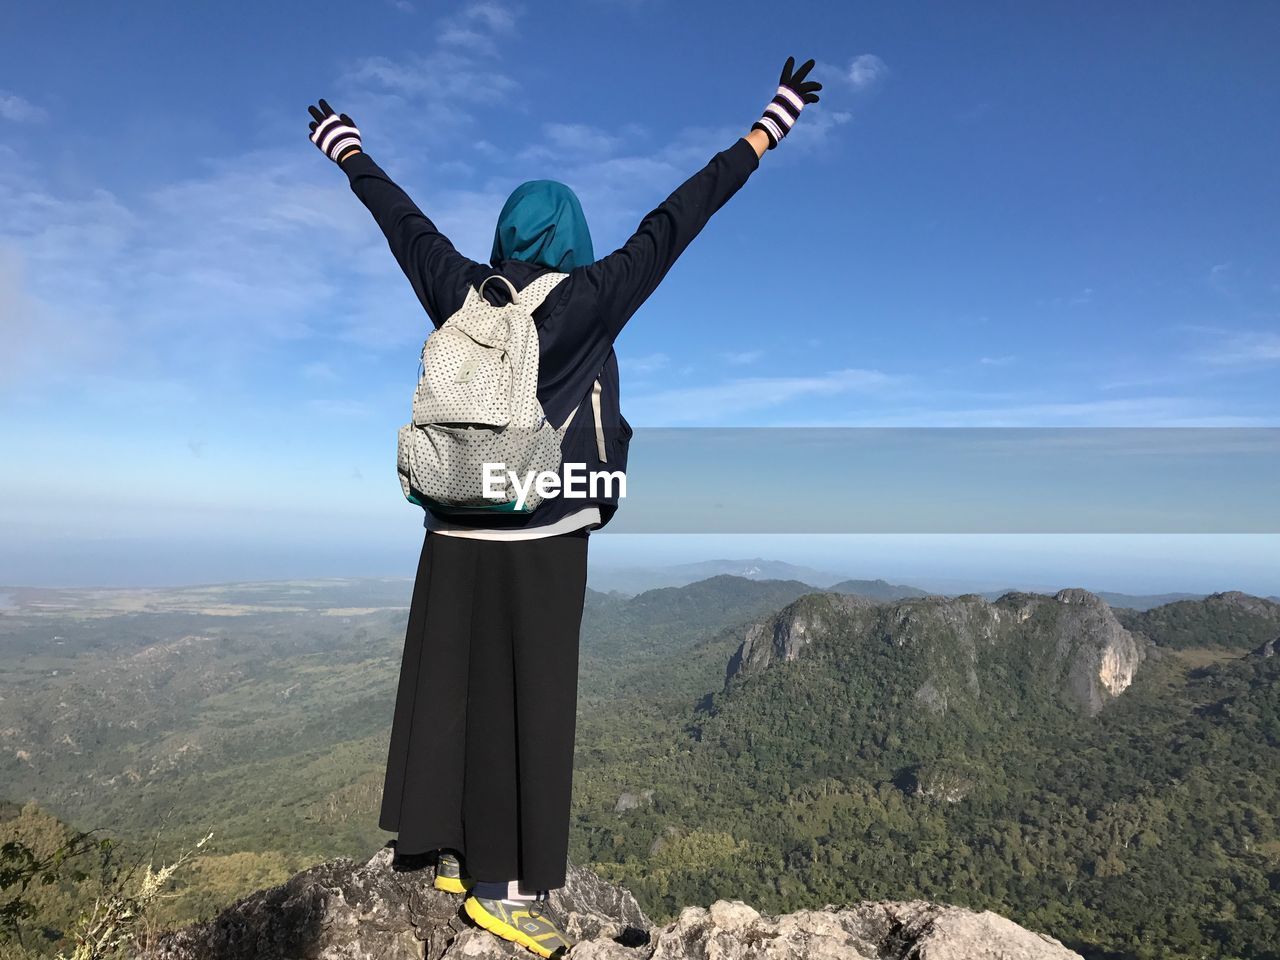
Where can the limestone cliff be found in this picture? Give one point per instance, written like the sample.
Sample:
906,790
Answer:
1073,637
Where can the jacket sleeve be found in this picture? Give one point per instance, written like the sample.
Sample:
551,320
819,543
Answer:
624,279
437,272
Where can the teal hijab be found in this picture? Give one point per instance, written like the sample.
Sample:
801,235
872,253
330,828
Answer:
542,223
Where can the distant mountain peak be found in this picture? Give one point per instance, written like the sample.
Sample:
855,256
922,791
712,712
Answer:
1072,635
1244,601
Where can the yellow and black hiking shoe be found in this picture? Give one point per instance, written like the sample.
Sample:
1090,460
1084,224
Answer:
450,876
530,923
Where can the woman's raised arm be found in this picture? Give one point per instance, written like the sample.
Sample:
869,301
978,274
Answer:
625,278
435,269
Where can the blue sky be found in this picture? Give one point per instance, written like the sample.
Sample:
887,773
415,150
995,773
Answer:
1013,215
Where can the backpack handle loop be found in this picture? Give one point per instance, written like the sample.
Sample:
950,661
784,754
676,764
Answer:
515,297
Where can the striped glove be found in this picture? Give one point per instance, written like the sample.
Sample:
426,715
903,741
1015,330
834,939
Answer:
784,109
335,134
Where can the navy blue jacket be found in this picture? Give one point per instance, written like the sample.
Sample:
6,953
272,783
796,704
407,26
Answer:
578,322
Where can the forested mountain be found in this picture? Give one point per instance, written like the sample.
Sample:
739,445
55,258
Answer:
1233,621
1111,777
262,710
877,589
635,580
1030,756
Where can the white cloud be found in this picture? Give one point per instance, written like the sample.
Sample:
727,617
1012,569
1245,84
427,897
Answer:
643,365
496,17
996,361
579,140
744,357
438,87
717,402
1244,347
19,110
269,248
616,182
19,313
815,127
866,71
443,79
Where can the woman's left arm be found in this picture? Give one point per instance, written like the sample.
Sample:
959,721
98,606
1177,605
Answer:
436,271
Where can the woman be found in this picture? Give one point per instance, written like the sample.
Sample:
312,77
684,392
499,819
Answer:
480,766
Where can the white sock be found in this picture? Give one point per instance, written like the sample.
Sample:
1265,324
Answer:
514,892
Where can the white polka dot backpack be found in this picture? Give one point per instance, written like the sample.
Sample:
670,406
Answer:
476,414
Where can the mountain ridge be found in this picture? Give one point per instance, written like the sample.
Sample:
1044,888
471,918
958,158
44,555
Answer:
1098,655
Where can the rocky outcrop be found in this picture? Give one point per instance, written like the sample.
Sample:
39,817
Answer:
344,911
1246,603
1267,650
783,636
1102,656
1072,637
627,800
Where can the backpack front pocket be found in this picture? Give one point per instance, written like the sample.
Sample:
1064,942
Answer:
463,381
450,464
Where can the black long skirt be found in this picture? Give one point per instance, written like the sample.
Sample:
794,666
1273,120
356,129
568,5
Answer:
481,755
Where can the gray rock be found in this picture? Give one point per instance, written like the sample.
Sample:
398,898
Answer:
1102,655
632,801
785,635
341,910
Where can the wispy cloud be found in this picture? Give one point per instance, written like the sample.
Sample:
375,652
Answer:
441,79
495,16
815,127
996,361
1080,298
19,110
866,71
266,249
645,364
579,140
252,250
742,358
715,403
1245,347
436,90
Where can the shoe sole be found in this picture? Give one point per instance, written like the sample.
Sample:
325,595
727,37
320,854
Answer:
453,884
507,932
